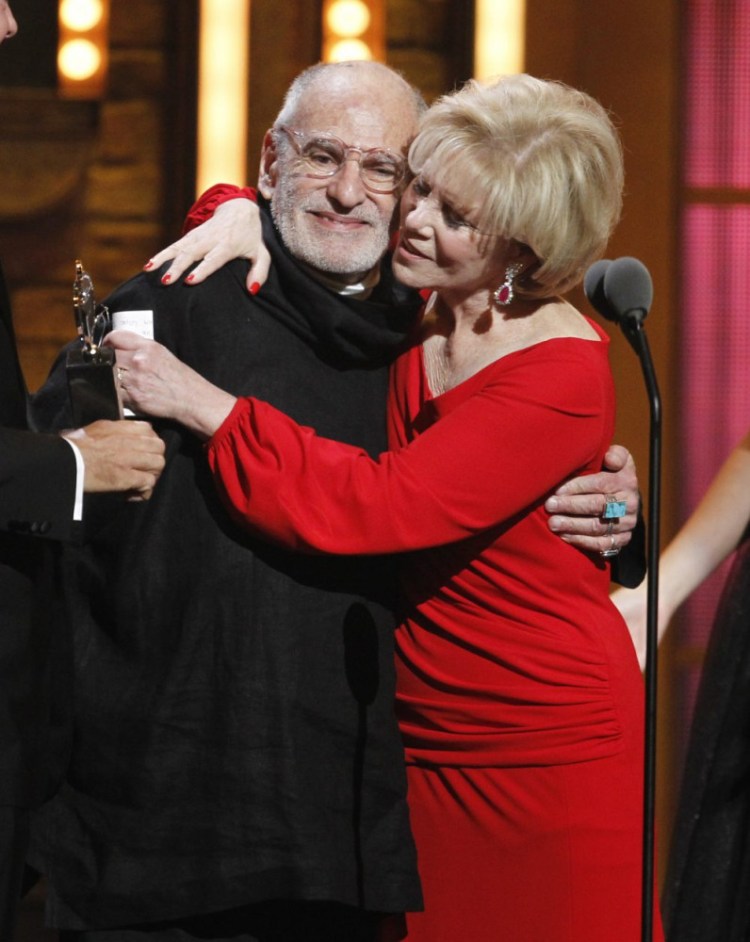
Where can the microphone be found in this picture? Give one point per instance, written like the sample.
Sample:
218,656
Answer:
622,291
629,290
593,288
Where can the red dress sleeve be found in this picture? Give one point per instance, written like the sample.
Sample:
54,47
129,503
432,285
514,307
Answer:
489,449
206,204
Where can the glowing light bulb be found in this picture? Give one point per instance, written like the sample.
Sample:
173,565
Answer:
348,18
79,59
348,49
81,15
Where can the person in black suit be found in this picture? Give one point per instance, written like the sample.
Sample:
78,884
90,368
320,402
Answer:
42,480
40,483
38,487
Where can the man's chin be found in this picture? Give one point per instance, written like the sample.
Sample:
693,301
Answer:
344,261
338,254
338,270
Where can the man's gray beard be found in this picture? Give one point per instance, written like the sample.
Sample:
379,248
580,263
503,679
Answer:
328,253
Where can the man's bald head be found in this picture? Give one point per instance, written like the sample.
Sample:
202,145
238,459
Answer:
330,216
366,77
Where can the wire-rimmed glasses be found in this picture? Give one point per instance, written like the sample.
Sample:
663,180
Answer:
322,155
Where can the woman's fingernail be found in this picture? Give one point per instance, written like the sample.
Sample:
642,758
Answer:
190,279
149,264
254,288
166,279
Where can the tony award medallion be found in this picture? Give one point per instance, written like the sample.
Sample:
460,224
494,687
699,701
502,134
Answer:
91,367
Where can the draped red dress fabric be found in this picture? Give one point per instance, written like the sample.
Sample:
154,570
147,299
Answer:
519,696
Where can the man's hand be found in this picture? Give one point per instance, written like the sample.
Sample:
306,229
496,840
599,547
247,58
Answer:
234,231
119,456
154,382
577,506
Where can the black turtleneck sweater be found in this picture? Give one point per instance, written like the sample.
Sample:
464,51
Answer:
234,731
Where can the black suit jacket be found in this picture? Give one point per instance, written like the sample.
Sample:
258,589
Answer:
37,489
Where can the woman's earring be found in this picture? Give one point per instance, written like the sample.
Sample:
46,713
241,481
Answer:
503,295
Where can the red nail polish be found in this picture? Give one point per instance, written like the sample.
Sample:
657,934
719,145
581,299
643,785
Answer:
190,279
254,288
166,279
149,264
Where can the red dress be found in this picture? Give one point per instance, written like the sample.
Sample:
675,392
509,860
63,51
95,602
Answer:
519,697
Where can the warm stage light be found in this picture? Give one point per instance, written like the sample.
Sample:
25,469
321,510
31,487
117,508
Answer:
224,62
79,59
348,18
82,48
81,15
499,37
353,29
348,49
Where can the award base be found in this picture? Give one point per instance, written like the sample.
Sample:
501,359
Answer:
92,386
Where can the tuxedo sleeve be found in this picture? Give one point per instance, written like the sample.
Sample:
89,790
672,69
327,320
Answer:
37,485
629,568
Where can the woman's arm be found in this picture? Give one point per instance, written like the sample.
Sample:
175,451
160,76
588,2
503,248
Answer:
711,533
214,197
486,462
492,456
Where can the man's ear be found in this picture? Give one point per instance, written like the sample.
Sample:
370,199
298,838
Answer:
268,166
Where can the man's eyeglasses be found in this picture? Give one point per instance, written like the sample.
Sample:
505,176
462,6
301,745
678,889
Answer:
321,155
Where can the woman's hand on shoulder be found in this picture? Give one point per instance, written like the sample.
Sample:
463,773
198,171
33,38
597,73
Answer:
234,231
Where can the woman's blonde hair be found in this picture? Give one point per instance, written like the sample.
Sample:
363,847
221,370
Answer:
542,161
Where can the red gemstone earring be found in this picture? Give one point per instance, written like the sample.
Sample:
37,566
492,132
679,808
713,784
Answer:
503,295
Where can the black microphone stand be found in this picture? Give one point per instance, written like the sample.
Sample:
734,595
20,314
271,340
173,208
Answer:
632,327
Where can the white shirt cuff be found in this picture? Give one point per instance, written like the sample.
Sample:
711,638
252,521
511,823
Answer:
80,470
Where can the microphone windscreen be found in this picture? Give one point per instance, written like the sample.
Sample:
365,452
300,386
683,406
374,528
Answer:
628,288
593,287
